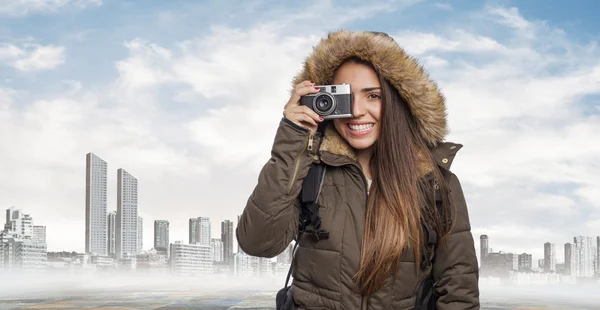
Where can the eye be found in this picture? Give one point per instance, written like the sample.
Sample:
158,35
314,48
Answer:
374,96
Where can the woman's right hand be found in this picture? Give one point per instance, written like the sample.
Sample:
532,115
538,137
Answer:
300,114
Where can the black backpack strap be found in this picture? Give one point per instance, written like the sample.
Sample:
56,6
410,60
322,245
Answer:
310,219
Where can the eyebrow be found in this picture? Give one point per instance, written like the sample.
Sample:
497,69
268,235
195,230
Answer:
368,89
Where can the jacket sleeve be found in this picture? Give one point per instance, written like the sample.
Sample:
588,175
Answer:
455,268
270,219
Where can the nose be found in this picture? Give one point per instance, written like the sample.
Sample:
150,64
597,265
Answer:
358,107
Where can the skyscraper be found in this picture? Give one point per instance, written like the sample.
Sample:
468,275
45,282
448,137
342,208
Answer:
227,239
549,257
161,235
571,266
483,249
140,234
126,241
200,231
18,223
112,232
598,255
192,227
203,234
95,205
585,255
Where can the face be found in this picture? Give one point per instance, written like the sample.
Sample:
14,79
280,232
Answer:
362,130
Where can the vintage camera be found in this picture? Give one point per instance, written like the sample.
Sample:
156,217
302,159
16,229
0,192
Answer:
332,101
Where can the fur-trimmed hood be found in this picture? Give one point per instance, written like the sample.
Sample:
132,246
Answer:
422,95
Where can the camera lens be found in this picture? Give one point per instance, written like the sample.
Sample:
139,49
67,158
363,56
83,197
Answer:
323,104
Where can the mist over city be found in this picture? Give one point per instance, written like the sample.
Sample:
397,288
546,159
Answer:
132,134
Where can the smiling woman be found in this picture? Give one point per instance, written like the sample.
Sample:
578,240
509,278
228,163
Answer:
400,241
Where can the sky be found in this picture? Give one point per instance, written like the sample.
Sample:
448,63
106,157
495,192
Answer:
187,95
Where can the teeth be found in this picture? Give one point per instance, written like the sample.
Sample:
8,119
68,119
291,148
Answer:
360,128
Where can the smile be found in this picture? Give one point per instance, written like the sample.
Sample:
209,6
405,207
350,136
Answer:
360,129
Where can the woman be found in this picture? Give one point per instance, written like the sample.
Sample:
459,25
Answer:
374,256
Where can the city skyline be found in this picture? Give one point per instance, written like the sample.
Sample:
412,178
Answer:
169,93
199,228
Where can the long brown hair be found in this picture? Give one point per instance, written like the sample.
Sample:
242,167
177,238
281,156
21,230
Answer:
398,195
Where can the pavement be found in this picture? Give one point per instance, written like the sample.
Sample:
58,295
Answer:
223,300
225,293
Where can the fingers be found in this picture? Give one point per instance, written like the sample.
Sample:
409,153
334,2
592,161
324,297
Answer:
306,118
310,113
302,89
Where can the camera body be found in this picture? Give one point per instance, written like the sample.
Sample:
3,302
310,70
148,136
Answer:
332,101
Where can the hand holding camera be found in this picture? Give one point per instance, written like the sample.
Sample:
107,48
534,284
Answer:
312,104
299,114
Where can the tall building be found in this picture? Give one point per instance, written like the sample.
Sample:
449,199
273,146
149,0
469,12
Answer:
598,255
525,262
22,247
237,245
484,249
200,231
140,234
227,239
585,256
161,236
216,249
18,223
39,234
571,259
549,257
203,233
192,227
112,233
126,240
95,205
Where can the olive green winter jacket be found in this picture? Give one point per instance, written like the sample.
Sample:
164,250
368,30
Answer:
324,270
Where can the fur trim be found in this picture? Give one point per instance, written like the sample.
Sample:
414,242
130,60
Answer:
422,95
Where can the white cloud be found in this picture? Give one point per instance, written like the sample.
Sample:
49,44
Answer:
509,17
24,7
32,57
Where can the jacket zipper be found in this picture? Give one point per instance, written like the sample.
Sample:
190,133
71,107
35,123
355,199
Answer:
308,146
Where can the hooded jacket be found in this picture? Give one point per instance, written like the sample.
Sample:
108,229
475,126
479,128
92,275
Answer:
324,271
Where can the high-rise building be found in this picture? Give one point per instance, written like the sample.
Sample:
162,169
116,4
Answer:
203,233
525,262
585,256
126,241
200,231
95,205
549,257
237,245
112,232
140,234
39,234
192,227
227,239
161,236
598,255
217,249
18,223
484,249
570,259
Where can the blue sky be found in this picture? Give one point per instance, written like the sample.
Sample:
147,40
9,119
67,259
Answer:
186,96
